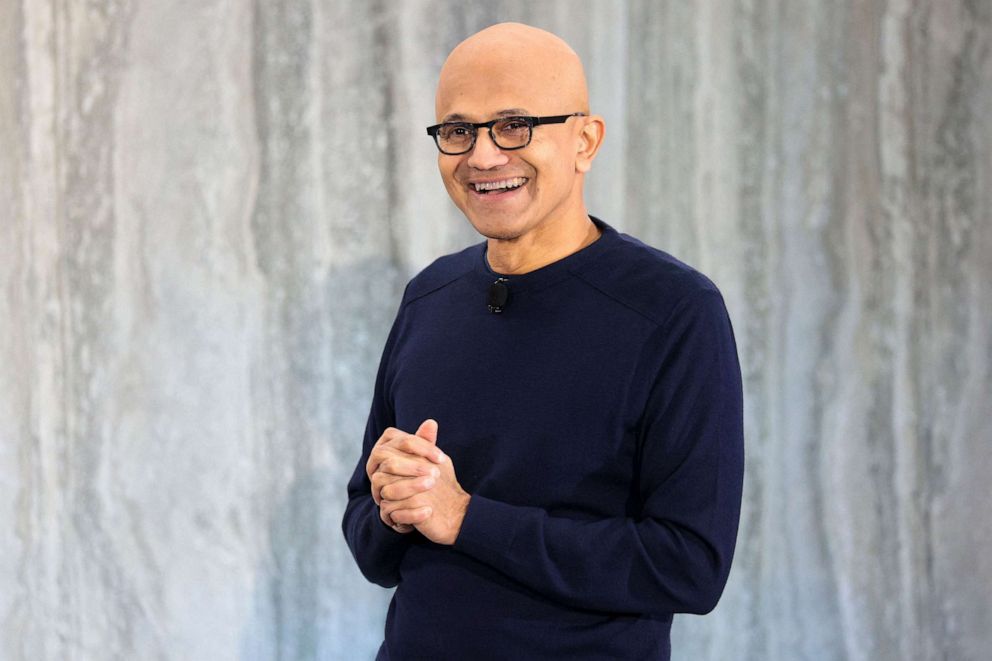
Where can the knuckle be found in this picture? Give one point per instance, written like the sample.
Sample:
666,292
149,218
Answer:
386,436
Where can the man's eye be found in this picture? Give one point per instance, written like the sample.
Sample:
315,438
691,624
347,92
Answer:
514,125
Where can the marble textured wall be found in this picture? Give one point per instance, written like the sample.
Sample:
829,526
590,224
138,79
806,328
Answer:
208,211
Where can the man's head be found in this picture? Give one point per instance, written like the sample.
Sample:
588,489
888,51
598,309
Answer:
514,69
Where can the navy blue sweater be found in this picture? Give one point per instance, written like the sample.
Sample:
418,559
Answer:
596,423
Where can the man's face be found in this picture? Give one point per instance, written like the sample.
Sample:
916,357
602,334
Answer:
539,181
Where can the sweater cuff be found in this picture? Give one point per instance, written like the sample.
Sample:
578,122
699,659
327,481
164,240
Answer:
488,530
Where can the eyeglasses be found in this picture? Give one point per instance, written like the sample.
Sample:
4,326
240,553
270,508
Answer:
454,138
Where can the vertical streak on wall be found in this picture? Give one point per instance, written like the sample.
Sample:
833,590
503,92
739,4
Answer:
292,384
604,59
365,178
662,73
34,615
78,593
895,125
806,297
716,131
18,377
955,126
752,299
861,259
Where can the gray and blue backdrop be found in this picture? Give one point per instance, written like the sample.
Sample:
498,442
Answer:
209,208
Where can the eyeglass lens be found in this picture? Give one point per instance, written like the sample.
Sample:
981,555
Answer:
509,133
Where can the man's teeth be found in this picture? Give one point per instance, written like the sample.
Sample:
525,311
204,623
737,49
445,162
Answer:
497,185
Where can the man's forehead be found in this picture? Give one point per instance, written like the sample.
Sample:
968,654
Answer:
497,93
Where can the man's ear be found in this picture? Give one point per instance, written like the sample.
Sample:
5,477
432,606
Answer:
589,139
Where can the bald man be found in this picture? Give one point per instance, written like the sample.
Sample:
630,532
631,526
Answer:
553,460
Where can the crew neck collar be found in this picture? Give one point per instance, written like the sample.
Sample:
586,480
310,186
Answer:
549,273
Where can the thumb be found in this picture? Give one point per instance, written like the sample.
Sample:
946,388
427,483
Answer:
428,430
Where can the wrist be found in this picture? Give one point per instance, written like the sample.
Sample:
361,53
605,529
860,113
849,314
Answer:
462,511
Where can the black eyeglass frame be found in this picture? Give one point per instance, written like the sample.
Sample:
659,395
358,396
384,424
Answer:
530,120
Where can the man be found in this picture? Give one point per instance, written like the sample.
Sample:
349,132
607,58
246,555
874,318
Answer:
553,460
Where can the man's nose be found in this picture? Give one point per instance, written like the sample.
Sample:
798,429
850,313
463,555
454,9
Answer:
485,154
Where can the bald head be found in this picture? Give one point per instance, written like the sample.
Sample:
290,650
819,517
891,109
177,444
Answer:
511,66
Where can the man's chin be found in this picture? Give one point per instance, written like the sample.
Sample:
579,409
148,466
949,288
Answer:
498,229
496,233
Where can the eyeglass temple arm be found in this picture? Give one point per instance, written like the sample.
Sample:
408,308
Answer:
557,119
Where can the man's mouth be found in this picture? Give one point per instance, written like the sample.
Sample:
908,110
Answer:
498,186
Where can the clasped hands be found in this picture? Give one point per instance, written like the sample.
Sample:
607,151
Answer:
414,484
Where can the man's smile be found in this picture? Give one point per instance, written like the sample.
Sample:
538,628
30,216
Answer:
490,186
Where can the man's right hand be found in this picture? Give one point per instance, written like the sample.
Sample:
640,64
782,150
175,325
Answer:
399,456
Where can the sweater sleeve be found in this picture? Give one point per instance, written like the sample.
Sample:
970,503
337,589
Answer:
675,554
376,547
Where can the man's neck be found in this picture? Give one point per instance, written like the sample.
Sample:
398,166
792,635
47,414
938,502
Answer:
531,252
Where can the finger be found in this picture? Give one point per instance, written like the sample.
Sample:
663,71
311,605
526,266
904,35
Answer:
416,446
390,507
388,435
372,464
428,430
405,465
398,527
412,516
405,488
381,479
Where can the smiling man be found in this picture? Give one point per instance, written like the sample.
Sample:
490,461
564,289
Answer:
553,460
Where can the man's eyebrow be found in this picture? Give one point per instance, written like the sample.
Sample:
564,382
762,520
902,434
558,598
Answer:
509,112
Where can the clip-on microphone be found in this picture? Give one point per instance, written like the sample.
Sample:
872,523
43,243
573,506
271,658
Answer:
499,296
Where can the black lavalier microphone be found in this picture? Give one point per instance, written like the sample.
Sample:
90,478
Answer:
499,296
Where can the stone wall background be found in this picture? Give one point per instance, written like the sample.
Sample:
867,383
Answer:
208,210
